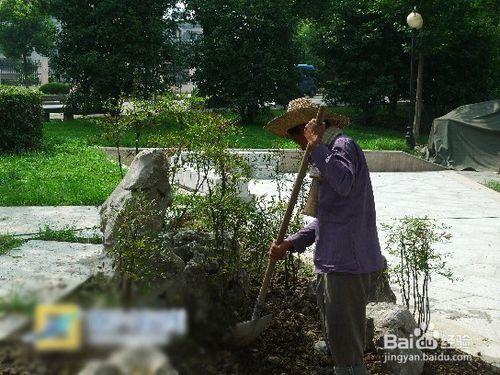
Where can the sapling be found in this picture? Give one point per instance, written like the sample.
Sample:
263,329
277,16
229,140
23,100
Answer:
412,242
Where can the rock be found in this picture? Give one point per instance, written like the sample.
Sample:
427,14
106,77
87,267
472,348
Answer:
140,361
148,174
200,264
392,319
273,359
99,368
187,236
186,243
176,263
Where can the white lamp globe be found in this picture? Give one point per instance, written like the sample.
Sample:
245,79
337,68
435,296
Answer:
415,20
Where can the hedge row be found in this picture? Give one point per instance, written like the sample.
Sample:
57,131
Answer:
55,88
20,119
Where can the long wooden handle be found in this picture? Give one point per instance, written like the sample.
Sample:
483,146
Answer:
285,222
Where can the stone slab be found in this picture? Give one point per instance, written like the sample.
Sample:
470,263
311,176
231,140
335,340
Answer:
44,271
28,220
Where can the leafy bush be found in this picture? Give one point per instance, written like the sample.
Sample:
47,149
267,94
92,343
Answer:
55,88
21,116
139,254
412,242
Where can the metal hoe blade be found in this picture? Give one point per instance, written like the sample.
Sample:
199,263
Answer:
246,332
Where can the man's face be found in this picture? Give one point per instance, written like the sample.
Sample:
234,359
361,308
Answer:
298,136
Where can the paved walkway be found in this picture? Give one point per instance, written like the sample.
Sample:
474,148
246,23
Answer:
470,306
481,177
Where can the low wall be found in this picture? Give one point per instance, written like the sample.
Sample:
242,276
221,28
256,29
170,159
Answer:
268,161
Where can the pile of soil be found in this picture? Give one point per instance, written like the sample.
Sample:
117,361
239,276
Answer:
287,347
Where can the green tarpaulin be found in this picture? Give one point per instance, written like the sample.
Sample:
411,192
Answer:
467,137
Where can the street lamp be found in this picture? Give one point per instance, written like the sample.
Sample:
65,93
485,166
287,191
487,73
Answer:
416,22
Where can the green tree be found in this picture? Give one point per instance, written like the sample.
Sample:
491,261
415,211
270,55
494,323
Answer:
362,59
246,56
114,49
364,52
461,44
24,28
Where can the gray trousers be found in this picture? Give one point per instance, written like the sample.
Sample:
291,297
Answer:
342,300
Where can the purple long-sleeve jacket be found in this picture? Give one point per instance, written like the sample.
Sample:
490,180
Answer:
345,229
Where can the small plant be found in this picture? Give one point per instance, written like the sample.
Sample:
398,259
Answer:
140,117
9,242
243,227
411,240
65,235
114,127
139,254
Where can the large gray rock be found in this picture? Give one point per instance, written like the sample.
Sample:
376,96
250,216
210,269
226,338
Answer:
391,319
148,174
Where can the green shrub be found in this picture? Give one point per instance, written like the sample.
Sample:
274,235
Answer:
54,88
20,119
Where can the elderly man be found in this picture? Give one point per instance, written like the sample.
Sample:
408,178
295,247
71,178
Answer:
347,255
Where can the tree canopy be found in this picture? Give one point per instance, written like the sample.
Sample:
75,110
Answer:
24,28
247,54
113,49
363,48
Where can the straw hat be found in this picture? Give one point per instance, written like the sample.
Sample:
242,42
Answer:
301,111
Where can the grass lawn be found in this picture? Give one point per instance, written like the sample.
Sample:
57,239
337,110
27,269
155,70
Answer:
68,173
253,136
70,170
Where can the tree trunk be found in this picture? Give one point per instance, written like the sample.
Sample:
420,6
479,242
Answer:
418,102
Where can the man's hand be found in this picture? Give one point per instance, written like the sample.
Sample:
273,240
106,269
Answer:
278,252
314,132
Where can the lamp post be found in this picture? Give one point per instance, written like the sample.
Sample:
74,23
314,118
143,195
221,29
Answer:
416,22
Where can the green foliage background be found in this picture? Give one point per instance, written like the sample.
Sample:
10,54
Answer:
25,27
110,50
247,54
363,49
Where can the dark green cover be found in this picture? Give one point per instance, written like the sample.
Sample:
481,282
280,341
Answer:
467,137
